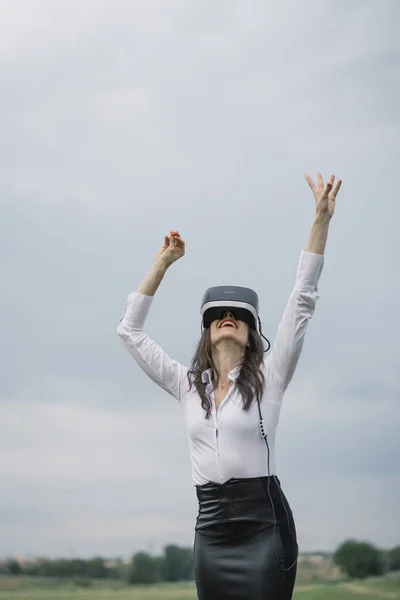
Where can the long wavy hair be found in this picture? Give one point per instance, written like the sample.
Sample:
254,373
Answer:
251,380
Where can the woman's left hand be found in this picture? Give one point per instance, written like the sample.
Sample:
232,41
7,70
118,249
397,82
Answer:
325,196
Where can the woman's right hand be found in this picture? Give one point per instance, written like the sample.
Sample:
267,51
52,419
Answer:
172,250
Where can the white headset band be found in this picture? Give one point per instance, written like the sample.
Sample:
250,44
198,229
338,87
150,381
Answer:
232,304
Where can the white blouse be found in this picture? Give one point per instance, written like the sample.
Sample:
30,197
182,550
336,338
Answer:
229,443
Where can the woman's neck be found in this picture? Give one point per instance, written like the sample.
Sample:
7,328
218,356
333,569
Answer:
226,358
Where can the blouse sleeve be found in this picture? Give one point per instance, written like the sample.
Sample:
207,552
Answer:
151,358
288,344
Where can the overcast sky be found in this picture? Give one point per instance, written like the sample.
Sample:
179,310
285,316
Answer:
121,120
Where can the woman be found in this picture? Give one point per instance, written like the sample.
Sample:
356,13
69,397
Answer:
245,541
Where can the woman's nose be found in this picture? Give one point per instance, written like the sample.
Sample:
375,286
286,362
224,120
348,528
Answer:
228,315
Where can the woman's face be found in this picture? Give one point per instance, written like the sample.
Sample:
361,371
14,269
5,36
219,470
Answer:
229,328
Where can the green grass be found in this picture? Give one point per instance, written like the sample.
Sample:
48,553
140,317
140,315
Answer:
386,584
12,589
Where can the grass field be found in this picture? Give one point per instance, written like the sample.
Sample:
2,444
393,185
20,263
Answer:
20,589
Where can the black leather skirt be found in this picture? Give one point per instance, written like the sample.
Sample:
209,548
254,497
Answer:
245,541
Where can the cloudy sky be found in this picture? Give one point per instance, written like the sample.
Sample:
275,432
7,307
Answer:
121,120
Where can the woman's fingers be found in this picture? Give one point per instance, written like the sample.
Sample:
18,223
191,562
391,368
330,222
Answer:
320,187
174,240
310,182
337,188
328,187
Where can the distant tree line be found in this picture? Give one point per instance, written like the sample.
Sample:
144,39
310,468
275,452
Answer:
174,564
356,559
362,559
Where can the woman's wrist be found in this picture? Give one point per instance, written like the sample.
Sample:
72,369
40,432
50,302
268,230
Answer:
319,234
153,278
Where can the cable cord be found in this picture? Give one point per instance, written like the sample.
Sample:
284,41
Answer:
263,336
264,435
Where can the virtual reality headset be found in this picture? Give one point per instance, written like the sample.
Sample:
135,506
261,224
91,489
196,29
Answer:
242,302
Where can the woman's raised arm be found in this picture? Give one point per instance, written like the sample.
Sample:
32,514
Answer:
300,308
151,358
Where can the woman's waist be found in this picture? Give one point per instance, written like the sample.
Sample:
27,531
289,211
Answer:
257,499
237,488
